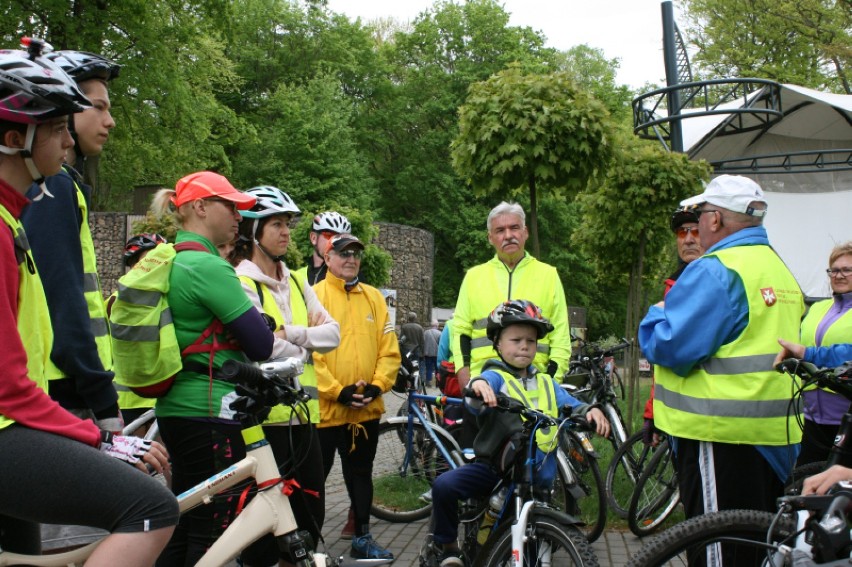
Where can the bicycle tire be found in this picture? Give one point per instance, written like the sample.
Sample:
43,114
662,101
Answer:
656,494
578,488
397,496
567,545
689,540
624,471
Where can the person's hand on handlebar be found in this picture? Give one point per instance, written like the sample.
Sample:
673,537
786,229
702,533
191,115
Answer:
597,417
790,350
820,483
483,391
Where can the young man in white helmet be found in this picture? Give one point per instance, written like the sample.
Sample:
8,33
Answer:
81,377
325,226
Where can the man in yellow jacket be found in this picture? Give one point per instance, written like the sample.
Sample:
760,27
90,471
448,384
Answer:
351,380
511,274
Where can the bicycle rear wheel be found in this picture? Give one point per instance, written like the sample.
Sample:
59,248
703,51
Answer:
739,535
656,494
549,542
624,471
402,491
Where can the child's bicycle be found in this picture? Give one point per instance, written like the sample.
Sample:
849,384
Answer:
269,511
526,531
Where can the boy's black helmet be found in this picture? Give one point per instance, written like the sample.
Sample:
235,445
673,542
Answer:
516,311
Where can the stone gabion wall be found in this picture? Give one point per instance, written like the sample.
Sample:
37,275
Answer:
413,252
109,232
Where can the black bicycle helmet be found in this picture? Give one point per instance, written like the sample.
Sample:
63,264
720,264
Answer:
138,244
514,312
681,216
83,66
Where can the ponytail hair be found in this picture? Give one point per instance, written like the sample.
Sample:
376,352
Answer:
161,205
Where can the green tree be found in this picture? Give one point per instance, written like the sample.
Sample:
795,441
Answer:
805,42
306,146
593,72
530,132
642,187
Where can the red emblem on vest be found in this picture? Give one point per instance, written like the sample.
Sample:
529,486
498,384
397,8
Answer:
768,296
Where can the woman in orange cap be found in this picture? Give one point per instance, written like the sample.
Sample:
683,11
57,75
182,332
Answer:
214,322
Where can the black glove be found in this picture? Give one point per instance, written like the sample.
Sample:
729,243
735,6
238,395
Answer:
552,368
346,394
372,391
648,430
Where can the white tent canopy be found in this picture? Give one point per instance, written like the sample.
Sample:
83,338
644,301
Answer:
810,208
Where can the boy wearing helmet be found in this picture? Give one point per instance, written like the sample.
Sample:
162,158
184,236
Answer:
80,370
325,226
514,328
43,445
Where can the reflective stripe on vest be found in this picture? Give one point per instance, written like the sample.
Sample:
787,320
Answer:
545,437
33,315
308,378
98,324
736,396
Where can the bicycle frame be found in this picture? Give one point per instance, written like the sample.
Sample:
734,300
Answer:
268,512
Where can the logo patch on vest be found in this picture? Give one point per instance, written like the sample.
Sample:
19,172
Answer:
769,297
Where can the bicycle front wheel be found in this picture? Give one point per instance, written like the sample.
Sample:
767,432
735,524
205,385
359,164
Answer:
402,479
548,542
656,494
730,537
578,488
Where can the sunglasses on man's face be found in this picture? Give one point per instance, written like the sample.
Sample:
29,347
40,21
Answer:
350,254
682,231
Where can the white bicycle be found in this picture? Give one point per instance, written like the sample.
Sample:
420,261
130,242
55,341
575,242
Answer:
269,511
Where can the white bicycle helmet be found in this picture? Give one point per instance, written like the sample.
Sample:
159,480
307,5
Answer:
34,90
331,221
82,65
270,201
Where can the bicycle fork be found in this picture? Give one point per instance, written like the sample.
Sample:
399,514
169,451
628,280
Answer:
520,537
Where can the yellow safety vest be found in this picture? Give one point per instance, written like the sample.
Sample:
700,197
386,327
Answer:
98,322
33,314
839,332
491,284
543,398
126,398
736,396
308,379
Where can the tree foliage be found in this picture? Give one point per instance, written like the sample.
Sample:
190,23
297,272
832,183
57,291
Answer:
804,42
531,132
642,187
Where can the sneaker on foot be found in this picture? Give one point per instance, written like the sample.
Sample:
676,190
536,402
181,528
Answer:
365,547
426,496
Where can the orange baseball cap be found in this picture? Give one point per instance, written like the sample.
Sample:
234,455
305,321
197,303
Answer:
206,185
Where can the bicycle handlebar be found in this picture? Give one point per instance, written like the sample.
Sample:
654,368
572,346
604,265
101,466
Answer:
266,386
838,379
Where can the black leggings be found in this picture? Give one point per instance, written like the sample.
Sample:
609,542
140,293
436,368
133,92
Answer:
357,450
55,480
199,449
295,445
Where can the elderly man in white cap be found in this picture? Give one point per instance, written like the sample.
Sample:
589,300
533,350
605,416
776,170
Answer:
714,340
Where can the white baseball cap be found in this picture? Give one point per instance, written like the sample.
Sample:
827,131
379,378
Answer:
732,192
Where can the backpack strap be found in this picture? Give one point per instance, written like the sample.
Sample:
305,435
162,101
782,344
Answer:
215,328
